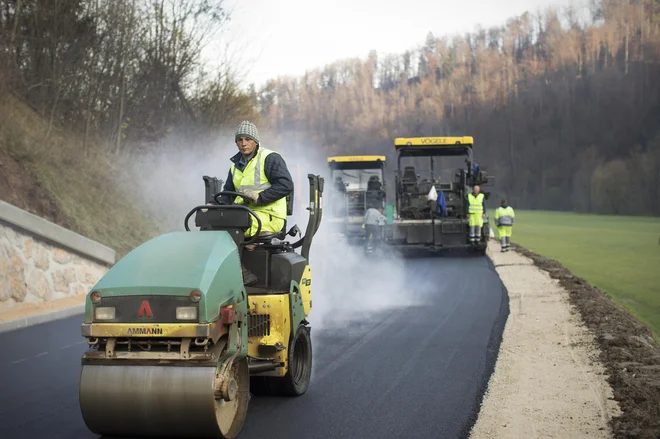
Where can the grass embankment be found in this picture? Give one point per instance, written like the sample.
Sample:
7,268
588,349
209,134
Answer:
82,188
620,255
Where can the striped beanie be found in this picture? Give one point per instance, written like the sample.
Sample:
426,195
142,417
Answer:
247,129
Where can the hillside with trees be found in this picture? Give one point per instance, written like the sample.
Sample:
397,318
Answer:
565,111
89,86
127,72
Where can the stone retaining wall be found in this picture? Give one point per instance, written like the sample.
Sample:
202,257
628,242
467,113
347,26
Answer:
42,262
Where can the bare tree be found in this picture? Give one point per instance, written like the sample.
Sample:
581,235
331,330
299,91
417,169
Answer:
555,104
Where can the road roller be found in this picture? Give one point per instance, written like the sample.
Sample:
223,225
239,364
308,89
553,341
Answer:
178,345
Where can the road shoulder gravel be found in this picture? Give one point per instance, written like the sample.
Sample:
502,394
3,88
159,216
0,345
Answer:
548,380
29,314
627,349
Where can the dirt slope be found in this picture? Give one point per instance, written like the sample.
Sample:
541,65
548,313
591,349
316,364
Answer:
21,188
45,170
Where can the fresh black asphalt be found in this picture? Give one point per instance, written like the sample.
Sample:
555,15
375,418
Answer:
414,371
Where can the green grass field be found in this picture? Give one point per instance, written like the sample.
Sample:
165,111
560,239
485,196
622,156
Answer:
620,255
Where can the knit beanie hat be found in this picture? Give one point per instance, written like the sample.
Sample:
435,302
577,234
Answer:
247,129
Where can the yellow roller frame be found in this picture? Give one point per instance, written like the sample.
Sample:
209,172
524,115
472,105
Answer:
277,306
171,330
306,289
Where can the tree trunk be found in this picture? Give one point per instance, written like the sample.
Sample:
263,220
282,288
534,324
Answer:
92,78
512,155
627,37
122,82
17,13
52,112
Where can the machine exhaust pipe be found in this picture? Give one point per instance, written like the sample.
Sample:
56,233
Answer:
262,366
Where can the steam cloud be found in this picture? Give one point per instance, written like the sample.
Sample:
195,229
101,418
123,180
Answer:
346,285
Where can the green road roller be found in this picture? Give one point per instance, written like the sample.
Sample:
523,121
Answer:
177,343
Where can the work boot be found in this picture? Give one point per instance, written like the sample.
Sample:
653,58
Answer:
249,278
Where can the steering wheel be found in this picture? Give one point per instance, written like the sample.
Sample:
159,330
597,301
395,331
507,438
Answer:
236,206
230,193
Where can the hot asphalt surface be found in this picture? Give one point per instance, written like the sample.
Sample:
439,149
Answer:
408,372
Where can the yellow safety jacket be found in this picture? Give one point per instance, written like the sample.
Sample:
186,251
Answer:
504,216
253,177
475,204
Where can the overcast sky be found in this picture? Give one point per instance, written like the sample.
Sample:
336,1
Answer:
287,37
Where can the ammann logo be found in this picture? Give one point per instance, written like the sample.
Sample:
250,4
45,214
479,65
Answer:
145,331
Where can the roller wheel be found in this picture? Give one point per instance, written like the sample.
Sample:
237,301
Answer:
162,401
230,415
297,378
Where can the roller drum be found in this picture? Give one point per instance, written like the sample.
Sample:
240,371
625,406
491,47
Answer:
160,401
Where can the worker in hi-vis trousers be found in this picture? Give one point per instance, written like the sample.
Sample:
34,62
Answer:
477,212
504,217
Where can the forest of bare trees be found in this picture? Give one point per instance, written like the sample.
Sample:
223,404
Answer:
125,71
565,113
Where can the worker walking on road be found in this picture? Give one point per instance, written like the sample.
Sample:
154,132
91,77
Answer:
477,213
504,217
373,222
263,179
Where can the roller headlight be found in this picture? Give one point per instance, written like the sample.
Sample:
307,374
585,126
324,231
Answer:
195,296
186,313
104,313
95,297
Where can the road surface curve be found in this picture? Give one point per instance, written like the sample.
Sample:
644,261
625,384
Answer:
418,371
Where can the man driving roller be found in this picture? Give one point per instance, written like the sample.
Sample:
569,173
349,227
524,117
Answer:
262,178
